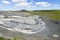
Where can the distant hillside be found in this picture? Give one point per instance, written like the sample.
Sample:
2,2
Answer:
52,14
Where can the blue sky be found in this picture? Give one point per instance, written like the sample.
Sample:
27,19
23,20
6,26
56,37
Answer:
29,4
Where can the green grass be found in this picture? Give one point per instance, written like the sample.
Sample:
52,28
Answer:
16,38
51,14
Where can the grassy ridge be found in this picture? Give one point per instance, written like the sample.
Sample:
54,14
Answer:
52,14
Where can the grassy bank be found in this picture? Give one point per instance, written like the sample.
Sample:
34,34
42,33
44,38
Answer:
51,14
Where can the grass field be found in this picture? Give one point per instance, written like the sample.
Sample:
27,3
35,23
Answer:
51,14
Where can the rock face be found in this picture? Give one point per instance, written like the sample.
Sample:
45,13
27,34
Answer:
28,25
27,20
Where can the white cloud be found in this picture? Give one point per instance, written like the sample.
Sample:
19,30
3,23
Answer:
31,6
55,5
44,4
22,4
18,0
6,2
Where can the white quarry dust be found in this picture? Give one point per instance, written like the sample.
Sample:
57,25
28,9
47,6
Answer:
28,25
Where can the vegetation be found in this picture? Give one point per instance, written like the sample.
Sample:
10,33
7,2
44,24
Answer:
51,14
2,38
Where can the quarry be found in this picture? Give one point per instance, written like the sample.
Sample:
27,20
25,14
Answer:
26,24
